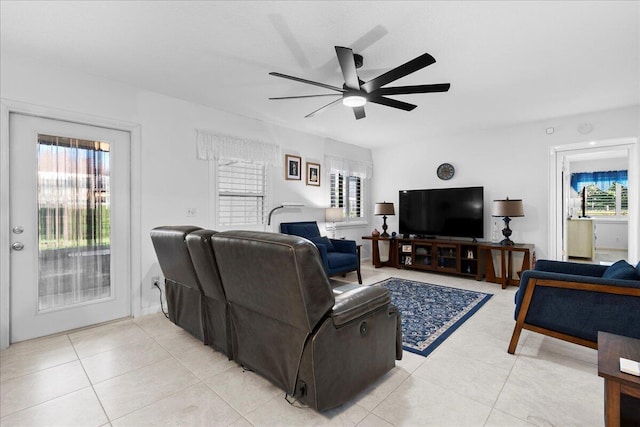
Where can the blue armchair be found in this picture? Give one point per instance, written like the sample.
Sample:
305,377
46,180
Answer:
338,256
573,301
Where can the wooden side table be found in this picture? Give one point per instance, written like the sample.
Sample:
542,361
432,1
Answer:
485,254
619,387
375,251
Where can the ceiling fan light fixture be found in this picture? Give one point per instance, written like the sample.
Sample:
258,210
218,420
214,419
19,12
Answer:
354,100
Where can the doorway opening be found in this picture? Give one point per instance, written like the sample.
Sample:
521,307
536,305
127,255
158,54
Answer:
593,218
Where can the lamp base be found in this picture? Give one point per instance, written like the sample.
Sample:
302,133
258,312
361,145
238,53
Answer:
384,227
506,232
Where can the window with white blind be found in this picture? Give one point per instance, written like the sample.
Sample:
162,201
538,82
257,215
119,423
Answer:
614,201
346,193
242,192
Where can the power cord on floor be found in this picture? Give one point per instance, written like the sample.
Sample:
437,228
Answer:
157,285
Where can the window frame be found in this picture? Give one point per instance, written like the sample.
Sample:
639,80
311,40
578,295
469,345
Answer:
215,179
346,198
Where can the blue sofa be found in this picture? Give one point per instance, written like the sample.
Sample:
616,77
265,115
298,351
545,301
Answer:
338,256
573,301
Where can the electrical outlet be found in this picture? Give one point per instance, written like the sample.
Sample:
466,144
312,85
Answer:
154,280
191,212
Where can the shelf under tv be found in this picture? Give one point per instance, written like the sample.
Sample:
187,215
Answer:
429,253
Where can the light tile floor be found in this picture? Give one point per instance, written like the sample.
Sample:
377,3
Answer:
146,371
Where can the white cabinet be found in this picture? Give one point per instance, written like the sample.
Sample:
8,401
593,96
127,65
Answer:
581,238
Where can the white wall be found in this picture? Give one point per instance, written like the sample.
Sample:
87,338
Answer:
172,179
511,161
612,234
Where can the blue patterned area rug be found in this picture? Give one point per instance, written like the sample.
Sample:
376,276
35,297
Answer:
430,313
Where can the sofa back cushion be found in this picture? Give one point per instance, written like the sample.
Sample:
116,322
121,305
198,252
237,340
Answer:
204,262
173,255
276,275
306,229
182,287
278,293
621,270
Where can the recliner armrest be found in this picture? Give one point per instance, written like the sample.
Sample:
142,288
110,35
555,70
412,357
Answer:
346,246
357,302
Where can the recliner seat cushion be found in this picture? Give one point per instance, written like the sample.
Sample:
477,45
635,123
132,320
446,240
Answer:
621,270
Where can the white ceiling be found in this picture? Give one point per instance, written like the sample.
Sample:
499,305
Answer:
507,61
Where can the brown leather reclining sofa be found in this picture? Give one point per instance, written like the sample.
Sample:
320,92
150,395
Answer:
284,321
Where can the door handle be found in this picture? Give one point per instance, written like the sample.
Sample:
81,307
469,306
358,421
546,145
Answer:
17,246
17,229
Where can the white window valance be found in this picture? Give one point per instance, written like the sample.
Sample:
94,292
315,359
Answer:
349,167
215,146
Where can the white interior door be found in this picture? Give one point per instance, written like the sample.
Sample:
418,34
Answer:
70,225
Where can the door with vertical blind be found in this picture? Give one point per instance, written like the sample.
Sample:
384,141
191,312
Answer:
70,226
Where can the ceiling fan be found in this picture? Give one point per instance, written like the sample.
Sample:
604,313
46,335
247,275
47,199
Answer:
355,93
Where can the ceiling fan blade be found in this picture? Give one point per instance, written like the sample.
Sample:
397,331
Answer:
313,113
359,112
392,103
402,90
305,96
298,79
348,67
399,72
368,39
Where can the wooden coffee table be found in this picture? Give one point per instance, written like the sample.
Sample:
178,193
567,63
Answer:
618,386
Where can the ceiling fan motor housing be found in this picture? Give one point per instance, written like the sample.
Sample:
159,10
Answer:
357,58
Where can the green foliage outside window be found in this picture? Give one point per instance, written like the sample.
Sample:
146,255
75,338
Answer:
603,203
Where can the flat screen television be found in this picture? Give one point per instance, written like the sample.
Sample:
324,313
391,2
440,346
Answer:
444,212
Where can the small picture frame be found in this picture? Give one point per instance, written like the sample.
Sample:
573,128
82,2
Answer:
313,174
406,248
293,164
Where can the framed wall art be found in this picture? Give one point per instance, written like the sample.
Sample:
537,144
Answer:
313,174
293,164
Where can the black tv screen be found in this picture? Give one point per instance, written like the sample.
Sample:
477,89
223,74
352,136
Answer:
445,212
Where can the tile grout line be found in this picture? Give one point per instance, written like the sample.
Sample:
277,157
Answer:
493,407
95,393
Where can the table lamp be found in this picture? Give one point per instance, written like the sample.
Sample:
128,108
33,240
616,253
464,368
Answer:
507,209
384,209
333,215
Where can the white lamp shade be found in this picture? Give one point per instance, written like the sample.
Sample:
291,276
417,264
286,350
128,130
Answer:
333,215
507,207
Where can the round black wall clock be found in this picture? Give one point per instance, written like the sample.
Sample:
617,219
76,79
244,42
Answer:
445,171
